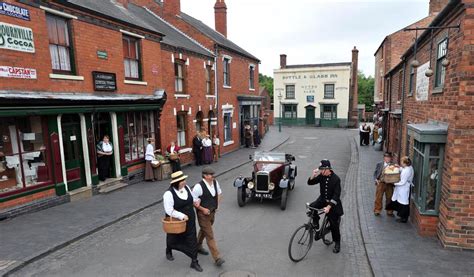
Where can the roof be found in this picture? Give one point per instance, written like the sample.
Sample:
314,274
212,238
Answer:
317,65
216,36
110,8
173,36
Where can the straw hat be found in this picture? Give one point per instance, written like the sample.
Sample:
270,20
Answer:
177,177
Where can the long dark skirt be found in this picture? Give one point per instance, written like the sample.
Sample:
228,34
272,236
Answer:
207,155
402,210
103,166
150,172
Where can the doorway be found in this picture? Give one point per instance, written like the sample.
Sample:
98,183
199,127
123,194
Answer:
73,154
102,123
310,115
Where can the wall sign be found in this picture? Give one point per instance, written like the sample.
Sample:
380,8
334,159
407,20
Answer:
102,54
310,98
104,81
16,38
17,72
422,82
14,11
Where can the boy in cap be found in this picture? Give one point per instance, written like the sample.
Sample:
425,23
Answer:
329,199
210,193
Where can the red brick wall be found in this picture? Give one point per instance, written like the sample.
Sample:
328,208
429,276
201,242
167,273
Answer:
425,225
27,199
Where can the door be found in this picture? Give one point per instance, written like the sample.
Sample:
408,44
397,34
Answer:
73,155
329,116
103,127
310,115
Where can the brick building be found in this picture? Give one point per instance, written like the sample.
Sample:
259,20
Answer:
432,106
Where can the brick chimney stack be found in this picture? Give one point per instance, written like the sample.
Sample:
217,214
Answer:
437,6
172,7
282,61
354,90
220,12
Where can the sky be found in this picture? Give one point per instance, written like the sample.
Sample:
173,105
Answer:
311,31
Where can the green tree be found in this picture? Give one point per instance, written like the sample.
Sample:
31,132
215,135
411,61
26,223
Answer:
366,91
266,82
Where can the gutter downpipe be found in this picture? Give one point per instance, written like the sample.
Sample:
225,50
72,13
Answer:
400,134
216,89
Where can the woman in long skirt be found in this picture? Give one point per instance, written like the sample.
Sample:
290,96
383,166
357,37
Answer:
104,156
179,202
207,149
401,194
151,173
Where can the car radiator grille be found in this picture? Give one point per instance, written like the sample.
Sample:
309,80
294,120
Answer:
262,182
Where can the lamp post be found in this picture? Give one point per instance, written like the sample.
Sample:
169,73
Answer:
279,121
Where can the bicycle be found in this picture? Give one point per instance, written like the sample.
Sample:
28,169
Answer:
302,239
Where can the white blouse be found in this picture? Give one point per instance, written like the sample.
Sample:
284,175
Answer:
168,201
150,153
197,189
206,142
106,147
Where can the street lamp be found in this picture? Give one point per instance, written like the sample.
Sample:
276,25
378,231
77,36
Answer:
279,121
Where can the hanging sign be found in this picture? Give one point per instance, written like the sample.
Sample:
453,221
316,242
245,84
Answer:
14,11
16,38
17,72
422,82
104,81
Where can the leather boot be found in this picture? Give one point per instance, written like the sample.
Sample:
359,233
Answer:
195,265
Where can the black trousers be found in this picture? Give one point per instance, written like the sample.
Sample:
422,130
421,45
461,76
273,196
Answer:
198,157
175,165
334,220
402,210
103,165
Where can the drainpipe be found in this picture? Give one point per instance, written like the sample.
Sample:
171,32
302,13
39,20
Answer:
216,90
403,108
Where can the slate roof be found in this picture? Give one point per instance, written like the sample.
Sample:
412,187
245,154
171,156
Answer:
216,36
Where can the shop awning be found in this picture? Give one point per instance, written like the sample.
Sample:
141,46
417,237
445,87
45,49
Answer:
15,103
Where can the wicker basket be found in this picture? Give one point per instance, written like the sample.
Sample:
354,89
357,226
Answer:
155,164
173,225
174,156
391,178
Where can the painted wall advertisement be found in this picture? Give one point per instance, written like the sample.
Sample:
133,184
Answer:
16,38
14,11
17,72
422,82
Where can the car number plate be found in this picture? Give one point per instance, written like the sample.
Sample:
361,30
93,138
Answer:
260,195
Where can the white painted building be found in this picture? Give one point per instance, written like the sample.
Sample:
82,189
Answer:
312,94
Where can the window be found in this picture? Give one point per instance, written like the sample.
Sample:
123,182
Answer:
227,72
289,111
329,91
181,126
24,153
427,163
60,47
209,90
290,92
179,77
329,112
411,84
137,130
131,58
252,77
440,69
227,127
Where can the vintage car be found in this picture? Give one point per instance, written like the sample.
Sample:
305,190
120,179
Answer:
272,177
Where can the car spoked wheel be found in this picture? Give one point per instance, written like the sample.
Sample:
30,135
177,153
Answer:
300,243
241,196
284,197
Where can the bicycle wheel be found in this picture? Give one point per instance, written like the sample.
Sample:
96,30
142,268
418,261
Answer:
300,243
325,229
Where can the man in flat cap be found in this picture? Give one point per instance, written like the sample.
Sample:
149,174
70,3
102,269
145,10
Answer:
329,199
382,187
210,193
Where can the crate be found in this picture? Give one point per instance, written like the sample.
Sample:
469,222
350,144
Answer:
166,171
391,178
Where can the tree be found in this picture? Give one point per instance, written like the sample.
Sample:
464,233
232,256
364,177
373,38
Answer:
366,91
267,83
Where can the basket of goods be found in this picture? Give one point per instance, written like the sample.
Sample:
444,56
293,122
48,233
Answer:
173,226
391,174
155,163
174,156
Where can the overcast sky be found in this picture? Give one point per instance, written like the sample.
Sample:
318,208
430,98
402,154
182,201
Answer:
311,31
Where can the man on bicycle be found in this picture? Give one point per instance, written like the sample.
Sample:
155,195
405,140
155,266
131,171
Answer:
329,199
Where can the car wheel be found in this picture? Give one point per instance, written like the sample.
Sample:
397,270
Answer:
241,196
284,195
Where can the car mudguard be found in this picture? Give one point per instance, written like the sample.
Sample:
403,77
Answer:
239,182
284,183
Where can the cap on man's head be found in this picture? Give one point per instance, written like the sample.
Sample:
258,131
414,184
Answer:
208,171
387,154
325,164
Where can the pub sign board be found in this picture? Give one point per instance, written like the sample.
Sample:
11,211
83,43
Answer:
104,81
14,11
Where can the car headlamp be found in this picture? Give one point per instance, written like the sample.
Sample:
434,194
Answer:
284,177
250,185
271,186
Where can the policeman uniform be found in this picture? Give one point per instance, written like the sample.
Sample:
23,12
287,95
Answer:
330,193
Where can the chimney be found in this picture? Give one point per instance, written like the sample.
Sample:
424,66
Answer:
437,6
124,3
172,7
220,11
354,91
282,61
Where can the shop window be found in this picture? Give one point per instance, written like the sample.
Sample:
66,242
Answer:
227,72
440,69
138,129
181,126
24,153
227,127
427,163
290,92
290,111
60,47
131,58
252,77
179,76
329,91
209,90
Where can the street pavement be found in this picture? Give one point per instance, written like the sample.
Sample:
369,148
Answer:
252,239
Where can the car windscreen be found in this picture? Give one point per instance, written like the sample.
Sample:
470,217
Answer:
269,157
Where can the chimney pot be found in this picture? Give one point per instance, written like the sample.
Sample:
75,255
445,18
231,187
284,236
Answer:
283,61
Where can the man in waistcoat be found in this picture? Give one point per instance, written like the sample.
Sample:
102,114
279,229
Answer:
210,194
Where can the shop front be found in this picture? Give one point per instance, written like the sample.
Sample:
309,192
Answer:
249,113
